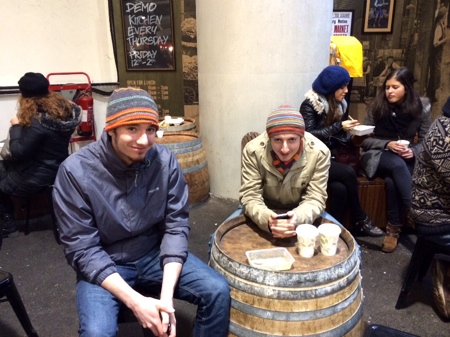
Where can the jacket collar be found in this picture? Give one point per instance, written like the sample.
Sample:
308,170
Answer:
67,125
320,103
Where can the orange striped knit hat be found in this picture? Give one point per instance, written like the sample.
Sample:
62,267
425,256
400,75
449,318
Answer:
285,119
127,106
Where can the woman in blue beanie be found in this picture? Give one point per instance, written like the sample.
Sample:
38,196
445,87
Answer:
326,117
398,113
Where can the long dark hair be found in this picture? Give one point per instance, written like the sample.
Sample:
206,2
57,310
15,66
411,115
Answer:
331,115
411,105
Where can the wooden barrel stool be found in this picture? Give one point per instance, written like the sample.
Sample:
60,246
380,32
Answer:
188,148
319,296
372,196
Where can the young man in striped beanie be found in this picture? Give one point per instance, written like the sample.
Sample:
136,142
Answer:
284,168
122,208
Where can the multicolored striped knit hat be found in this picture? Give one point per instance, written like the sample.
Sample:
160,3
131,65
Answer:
127,106
285,119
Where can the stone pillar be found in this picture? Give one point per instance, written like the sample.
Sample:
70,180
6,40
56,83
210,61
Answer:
253,56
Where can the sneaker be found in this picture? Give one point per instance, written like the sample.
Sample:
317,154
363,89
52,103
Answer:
367,227
9,226
441,284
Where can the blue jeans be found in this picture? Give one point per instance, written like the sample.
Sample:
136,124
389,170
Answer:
198,284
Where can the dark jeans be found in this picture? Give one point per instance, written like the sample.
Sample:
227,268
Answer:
397,174
343,193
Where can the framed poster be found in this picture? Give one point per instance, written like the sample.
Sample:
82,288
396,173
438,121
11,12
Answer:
148,34
342,23
378,16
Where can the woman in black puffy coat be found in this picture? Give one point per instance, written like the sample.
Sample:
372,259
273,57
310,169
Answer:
325,113
39,138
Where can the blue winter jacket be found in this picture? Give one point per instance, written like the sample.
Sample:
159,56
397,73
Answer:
109,213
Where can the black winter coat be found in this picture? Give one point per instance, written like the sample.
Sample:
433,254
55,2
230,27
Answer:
36,153
314,110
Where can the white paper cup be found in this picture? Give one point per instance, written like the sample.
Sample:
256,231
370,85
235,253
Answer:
329,237
167,118
403,142
306,239
159,133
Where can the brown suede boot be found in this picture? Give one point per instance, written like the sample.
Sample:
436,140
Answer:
391,238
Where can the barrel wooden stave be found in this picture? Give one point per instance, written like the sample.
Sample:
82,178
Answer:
189,151
267,303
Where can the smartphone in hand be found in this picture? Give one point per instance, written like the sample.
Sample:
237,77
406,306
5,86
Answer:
283,216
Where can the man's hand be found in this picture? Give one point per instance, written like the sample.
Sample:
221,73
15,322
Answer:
151,313
283,228
155,315
168,320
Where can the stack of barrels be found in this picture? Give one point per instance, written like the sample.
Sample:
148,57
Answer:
184,141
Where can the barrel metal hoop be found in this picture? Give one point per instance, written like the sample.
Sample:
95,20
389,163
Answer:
341,330
287,293
296,316
194,168
177,150
190,143
280,279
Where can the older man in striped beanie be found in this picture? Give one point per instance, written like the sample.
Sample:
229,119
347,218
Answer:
284,169
122,208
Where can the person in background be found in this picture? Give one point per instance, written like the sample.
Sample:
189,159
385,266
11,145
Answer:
122,208
378,69
431,177
397,113
391,65
285,168
38,143
367,69
378,4
440,38
326,117
431,201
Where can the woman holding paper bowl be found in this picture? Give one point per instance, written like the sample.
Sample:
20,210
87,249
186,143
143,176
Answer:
398,114
326,117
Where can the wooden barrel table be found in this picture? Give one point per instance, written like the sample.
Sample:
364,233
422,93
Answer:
318,296
188,148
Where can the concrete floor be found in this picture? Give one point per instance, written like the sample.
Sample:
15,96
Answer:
47,283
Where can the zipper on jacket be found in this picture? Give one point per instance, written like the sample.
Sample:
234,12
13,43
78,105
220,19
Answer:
135,178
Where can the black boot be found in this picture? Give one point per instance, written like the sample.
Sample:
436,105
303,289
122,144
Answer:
368,228
9,226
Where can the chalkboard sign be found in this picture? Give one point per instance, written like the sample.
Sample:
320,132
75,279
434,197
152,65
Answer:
148,34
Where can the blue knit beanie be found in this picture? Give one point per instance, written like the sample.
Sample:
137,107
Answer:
128,106
330,80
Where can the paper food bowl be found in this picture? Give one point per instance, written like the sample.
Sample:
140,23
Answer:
362,130
270,259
